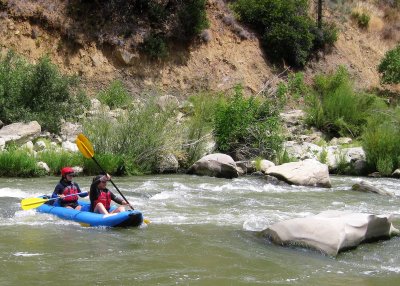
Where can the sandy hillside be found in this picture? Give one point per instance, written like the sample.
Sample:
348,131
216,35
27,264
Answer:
223,56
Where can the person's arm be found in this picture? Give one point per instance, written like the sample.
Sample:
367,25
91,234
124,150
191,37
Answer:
58,190
81,194
117,199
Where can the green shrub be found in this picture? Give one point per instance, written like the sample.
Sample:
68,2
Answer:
56,160
139,136
335,108
18,163
390,66
284,157
112,163
192,19
343,167
323,156
200,124
326,37
296,86
155,47
362,19
380,143
250,126
37,92
115,96
286,30
385,166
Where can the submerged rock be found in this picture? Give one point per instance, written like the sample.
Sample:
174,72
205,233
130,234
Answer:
331,231
368,188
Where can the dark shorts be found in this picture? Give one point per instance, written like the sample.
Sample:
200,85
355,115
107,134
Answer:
72,205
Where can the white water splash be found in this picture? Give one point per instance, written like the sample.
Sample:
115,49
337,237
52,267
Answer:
26,254
12,193
391,269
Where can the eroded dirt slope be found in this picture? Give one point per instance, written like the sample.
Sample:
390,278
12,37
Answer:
225,55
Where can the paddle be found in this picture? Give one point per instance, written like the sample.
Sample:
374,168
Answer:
87,151
31,203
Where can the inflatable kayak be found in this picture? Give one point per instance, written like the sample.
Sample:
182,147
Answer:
87,218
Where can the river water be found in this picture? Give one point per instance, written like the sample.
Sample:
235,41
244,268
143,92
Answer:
204,231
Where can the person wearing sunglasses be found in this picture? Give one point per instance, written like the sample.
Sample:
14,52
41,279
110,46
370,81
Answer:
101,197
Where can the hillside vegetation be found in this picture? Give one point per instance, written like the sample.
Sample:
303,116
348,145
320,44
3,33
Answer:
234,65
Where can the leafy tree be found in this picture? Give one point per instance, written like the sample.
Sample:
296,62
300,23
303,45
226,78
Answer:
287,31
37,92
390,66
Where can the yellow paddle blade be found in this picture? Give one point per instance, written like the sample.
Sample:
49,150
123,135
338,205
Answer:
147,221
31,203
84,146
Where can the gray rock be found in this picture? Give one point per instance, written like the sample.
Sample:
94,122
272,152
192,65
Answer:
215,165
368,188
304,173
43,165
69,131
247,166
274,181
20,133
396,173
332,231
126,57
69,146
167,164
293,117
39,145
265,165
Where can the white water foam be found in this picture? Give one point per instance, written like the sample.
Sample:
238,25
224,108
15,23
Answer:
26,254
12,193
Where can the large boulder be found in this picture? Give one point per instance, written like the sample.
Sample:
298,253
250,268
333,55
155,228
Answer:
332,231
215,165
20,133
304,173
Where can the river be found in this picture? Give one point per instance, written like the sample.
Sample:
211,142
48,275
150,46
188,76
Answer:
204,231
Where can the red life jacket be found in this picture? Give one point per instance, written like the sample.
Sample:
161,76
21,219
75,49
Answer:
70,190
105,199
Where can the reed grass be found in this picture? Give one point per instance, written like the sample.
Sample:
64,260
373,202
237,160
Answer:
18,163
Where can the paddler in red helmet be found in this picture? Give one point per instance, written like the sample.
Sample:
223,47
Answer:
67,190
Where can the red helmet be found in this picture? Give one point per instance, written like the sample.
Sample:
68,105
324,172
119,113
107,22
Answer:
67,170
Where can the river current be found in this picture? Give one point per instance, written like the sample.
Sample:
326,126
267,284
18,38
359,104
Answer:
204,231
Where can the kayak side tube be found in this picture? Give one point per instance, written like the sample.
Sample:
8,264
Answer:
123,219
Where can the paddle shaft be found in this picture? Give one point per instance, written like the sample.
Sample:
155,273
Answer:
53,199
97,163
